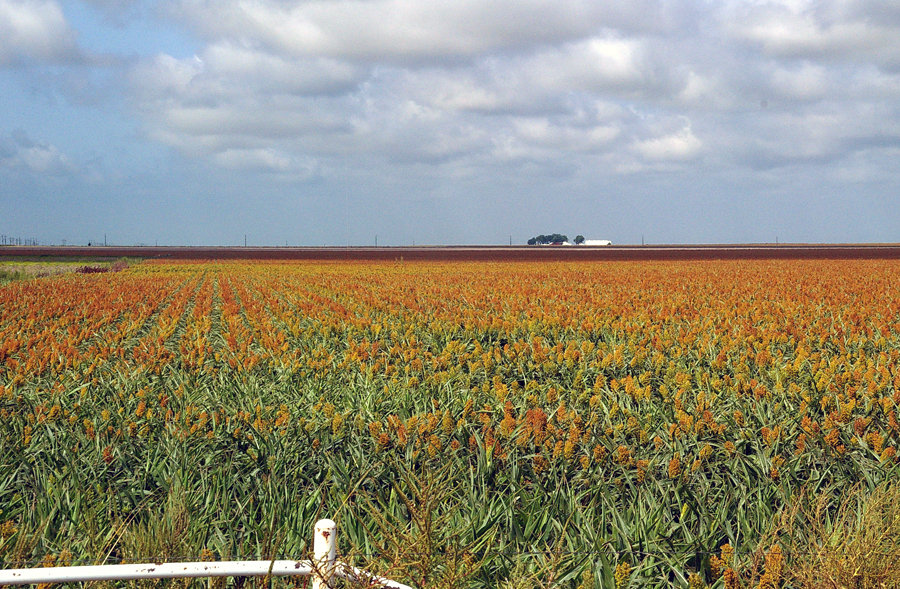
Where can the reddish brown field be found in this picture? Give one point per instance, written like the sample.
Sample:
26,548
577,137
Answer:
476,253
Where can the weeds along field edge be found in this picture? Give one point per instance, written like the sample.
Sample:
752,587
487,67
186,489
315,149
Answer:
466,424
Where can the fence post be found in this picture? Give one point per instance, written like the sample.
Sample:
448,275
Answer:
324,553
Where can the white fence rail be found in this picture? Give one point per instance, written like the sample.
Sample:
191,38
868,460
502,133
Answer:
323,569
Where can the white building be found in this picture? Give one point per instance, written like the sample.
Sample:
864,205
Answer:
596,242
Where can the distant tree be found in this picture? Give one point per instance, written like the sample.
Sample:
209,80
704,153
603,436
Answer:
545,239
579,239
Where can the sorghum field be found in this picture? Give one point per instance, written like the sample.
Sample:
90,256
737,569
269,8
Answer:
516,424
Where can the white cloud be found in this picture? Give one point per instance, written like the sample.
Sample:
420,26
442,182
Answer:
410,30
806,82
401,81
34,30
602,64
165,77
544,132
234,97
830,30
703,90
681,145
19,152
267,160
569,86
228,63
822,134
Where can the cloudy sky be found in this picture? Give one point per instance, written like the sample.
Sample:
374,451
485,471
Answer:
312,122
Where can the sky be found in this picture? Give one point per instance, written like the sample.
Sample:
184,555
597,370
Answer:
412,122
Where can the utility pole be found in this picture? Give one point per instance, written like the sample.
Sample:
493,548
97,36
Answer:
376,240
245,240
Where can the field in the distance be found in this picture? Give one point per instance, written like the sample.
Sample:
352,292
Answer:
22,268
467,424
476,253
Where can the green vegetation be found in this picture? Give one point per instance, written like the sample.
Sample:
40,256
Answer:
13,269
548,239
8,275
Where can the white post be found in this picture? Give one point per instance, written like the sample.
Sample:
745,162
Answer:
324,553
